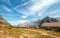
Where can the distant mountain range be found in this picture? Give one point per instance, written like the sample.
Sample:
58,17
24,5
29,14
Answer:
29,25
47,21
39,23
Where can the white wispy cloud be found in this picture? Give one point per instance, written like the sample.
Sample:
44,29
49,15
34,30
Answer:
57,16
23,16
9,15
16,22
22,4
6,1
13,22
6,8
22,21
23,11
55,13
38,7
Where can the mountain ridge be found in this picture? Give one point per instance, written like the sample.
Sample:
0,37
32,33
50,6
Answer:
38,23
3,22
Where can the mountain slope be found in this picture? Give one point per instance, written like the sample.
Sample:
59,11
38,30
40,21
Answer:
3,22
48,19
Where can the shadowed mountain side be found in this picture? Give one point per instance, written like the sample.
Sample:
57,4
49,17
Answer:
47,20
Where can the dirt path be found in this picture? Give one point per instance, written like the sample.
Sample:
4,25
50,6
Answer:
43,33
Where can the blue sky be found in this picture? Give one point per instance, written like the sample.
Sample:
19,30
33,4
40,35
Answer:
20,11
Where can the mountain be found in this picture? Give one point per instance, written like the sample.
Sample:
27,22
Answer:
51,25
48,19
49,22
38,23
58,19
29,25
3,22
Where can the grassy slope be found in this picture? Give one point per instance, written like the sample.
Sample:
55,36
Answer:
27,33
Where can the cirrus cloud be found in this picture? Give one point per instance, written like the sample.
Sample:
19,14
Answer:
37,8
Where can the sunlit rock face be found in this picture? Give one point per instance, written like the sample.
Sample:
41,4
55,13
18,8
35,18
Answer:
3,22
51,25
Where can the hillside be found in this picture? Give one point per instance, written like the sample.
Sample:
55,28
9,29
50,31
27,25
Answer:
54,24
51,26
3,22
